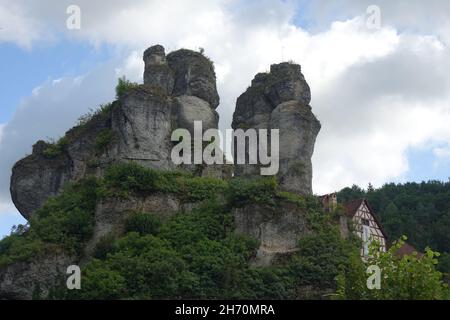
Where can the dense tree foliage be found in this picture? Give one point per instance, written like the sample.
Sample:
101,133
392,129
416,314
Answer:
65,222
198,254
190,255
412,277
421,211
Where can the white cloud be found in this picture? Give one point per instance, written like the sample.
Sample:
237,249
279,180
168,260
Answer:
377,93
9,216
16,25
51,110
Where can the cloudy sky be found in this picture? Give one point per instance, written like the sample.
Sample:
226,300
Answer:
381,94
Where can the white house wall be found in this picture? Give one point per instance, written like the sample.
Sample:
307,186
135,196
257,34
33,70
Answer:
375,233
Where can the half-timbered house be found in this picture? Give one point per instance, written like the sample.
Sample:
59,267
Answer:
360,218
365,224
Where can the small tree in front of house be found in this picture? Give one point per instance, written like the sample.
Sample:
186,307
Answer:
409,277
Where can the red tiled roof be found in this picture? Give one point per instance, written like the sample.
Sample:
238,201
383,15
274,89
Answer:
352,206
406,250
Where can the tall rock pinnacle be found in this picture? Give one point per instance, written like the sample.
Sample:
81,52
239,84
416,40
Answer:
280,100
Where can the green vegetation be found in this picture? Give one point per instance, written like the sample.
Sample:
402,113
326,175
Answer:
18,247
57,149
322,256
85,122
421,211
143,223
68,219
123,86
243,191
104,111
125,178
63,223
104,245
197,255
402,278
104,138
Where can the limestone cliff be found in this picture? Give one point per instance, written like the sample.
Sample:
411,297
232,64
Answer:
178,90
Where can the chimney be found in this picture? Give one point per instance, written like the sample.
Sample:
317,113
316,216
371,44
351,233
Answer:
329,202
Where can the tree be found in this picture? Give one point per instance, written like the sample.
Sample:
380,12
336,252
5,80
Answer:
411,277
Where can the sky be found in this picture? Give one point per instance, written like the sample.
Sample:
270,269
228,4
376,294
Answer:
381,90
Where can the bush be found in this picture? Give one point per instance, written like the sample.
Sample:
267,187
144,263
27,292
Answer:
127,177
131,177
103,111
104,246
143,223
123,86
410,277
100,283
243,191
201,188
57,149
103,139
68,219
193,256
19,248
207,222
294,198
321,257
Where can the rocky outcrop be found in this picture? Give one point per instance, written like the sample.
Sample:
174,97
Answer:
277,228
280,100
194,76
44,173
157,73
178,90
181,73
34,279
143,125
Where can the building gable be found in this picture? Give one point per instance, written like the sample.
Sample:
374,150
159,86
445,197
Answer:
367,226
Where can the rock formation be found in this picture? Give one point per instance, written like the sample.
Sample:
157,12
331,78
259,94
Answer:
178,90
280,100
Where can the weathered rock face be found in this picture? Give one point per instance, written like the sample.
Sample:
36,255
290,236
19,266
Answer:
178,90
280,100
143,126
34,180
194,76
157,72
39,176
190,109
298,131
34,279
111,214
278,229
